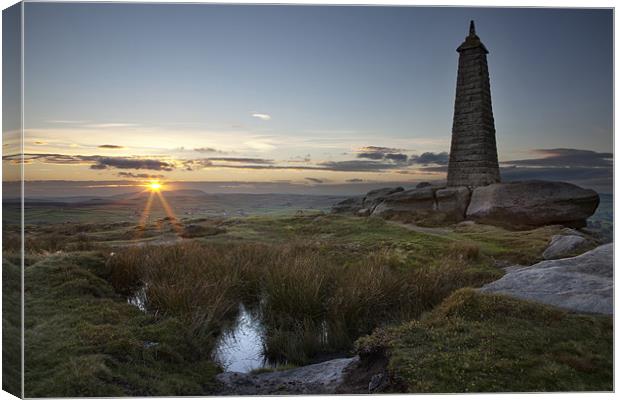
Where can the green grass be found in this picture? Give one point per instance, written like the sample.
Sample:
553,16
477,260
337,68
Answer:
521,247
311,301
11,324
321,282
83,339
491,343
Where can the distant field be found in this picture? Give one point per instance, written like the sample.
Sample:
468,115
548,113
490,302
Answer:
196,204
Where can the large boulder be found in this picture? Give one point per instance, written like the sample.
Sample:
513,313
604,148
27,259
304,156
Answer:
364,205
527,204
374,197
583,283
453,202
563,246
351,205
408,205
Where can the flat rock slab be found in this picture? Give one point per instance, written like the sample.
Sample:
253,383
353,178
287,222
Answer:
321,378
581,284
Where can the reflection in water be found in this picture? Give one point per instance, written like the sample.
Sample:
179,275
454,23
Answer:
241,348
138,299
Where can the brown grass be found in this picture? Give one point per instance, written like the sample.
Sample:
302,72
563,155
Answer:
309,301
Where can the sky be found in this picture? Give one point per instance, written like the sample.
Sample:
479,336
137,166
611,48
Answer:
307,95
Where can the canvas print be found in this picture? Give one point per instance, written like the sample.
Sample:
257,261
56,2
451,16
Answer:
230,199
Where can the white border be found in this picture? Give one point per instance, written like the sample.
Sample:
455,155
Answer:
457,3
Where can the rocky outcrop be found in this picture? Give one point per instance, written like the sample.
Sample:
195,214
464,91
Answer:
321,378
582,284
365,205
514,205
563,246
375,197
407,205
427,205
528,204
350,205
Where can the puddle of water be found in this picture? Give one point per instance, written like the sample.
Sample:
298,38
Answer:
138,299
241,348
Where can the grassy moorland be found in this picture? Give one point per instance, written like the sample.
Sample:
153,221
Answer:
319,282
490,343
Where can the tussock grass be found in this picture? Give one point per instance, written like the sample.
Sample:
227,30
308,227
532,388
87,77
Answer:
309,300
475,342
83,339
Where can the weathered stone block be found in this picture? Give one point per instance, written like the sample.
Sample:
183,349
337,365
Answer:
408,205
453,202
527,204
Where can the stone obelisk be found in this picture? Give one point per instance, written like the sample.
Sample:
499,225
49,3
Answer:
473,152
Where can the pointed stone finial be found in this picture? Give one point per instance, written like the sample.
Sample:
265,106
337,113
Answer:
472,28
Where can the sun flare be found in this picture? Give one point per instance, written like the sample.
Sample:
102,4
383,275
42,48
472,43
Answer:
155,186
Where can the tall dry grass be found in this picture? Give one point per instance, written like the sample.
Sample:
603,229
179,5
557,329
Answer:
310,303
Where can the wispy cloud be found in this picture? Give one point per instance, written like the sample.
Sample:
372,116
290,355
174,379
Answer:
110,125
110,146
140,176
566,158
241,160
131,163
96,161
207,150
430,158
264,117
382,153
358,166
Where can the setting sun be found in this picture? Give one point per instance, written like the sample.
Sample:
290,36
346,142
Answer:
155,186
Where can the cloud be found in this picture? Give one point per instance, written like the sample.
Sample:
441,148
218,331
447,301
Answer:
566,158
430,158
52,158
379,149
96,161
354,180
396,157
315,180
142,176
110,146
371,155
132,163
39,143
585,168
382,153
207,150
264,117
241,160
110,125
357,166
